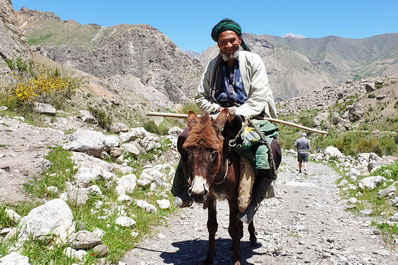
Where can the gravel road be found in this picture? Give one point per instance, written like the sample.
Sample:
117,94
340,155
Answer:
304,224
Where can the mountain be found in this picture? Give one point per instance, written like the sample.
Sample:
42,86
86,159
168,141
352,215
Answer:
137,57
299,66
192,54
12,44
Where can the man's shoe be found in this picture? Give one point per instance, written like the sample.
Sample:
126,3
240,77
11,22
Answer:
183,200
247,215
305,172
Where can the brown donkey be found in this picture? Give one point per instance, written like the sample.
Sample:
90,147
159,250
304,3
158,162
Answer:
213,174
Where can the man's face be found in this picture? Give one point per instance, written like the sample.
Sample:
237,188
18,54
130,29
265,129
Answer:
228,42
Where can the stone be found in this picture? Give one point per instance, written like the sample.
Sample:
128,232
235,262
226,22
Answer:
14,258
371,182
332,151
125,221
13,215
77,254
85,240
101,251
390,190
163,204
86,116
44,108
77,196
119,127
52,218
145,205
127,183
87,141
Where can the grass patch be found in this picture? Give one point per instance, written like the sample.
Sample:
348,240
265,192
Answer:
89,215
60,171
388,230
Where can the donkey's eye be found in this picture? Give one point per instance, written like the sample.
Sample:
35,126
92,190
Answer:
214,154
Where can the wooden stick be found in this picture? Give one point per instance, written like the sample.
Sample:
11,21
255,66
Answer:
184,116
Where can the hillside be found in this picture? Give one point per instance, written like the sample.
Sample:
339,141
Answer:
136,57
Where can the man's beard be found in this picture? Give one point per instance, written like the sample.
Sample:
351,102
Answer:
232,56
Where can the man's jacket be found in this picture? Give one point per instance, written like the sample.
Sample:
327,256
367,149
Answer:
255,81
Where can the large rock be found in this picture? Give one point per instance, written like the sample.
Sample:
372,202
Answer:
52,218
14,258
332,151
356,112
91,168
85,240
127,183
87,141
370,183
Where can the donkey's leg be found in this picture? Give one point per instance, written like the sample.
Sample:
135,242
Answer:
234,229
253,238
212,226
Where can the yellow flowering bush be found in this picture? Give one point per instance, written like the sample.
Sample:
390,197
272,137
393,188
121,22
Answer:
38,85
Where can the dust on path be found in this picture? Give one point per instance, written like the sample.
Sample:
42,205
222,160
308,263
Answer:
305,224
22,150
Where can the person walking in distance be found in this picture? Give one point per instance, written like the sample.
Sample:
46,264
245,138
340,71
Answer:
303,146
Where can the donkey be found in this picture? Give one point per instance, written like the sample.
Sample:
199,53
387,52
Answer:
214,174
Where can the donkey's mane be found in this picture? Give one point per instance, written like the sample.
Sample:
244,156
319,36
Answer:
204,134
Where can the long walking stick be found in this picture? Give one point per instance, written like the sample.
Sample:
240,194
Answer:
184,116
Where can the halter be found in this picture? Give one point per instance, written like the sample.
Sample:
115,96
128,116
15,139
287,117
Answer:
225,175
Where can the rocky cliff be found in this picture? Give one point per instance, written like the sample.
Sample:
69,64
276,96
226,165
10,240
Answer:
119,53
12,43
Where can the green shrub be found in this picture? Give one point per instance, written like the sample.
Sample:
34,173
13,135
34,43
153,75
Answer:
104,119
379,85
189,107
371,95
34,83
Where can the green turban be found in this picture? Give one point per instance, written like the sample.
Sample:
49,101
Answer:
228,24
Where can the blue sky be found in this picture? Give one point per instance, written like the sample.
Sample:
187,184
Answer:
189,23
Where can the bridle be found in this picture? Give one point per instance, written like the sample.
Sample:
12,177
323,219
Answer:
225,175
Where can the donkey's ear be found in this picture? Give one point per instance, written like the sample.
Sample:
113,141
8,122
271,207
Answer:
221,120
192,119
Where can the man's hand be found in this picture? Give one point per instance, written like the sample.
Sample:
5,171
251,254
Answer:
231,112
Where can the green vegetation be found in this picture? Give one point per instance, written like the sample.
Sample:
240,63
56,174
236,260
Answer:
103,118
368,199
371,95
34,83
118,239
60,171
353,143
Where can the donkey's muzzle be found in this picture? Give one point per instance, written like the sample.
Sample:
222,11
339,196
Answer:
199,190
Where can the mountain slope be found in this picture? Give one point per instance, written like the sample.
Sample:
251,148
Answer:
119,53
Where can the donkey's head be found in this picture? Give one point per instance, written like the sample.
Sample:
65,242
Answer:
204,146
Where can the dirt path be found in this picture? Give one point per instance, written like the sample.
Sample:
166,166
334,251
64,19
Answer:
22,150
305,224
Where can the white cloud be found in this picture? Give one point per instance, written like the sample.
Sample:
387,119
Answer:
293,36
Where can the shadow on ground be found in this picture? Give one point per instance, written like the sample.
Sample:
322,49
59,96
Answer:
193,252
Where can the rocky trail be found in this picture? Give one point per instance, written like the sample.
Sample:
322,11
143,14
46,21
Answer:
304,224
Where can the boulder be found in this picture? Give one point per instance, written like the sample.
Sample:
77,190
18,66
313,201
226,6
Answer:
127,183
52,218
390,190
44,108
85,240
356,112
86,141
14,258
370,183
86,116
332,151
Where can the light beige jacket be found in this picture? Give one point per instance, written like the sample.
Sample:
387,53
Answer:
255,82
